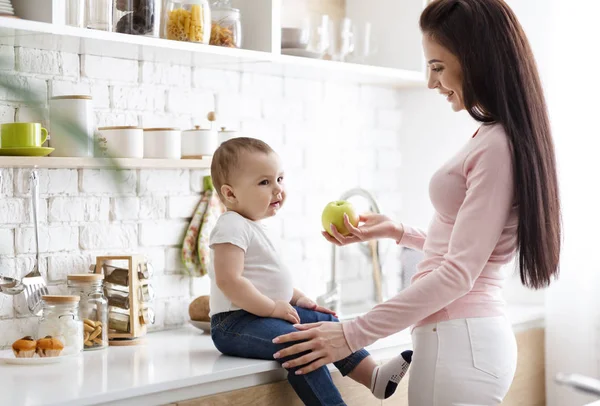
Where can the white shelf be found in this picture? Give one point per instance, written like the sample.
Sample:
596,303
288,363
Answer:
33,34
102,163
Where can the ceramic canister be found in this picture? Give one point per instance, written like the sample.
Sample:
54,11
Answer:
198,142
226,134
162,143
122,142
71,126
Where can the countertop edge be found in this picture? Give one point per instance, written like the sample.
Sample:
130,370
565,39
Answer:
263,372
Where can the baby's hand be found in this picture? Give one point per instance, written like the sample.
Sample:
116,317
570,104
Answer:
283,310
306,303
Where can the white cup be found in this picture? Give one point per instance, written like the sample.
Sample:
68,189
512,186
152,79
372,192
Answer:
162,143
69,114
198,142
122,142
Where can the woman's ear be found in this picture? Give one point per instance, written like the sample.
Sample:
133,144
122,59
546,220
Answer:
228,194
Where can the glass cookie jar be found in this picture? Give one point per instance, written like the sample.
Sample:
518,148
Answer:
187,20
137,17
226,29
93,308
60,319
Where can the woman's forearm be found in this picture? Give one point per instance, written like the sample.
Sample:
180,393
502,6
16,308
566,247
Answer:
244,295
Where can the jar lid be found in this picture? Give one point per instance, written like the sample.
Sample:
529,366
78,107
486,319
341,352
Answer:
72,96
85,277
120,127
161,129
225,130
198,128
58,299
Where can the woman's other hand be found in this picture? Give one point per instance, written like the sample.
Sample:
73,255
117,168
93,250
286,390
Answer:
371,226
324,340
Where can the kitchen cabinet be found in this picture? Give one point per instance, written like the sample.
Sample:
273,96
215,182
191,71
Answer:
528,387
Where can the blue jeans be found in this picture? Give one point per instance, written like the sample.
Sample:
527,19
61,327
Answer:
243,334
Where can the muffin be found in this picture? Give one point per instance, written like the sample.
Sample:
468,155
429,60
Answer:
49,347
200,308
24,347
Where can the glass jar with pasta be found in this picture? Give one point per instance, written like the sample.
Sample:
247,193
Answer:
187,20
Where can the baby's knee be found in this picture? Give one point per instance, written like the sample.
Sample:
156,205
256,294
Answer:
329,317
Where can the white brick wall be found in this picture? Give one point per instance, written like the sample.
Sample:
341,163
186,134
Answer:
184,101
94,181
85,213
108,236
7,57
138,98
164,182
111,69
47,62
78,209
164,74
166,232
7,241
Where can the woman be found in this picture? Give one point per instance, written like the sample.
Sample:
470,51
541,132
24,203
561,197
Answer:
496,198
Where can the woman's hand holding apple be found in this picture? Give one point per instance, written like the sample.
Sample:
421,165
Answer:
371,226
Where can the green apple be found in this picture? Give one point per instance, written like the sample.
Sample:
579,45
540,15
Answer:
333,213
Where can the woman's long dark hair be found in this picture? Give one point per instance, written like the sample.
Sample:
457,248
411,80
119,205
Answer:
501,85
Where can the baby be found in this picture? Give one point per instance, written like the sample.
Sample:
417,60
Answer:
252,297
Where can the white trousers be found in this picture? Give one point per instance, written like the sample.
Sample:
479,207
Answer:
462,362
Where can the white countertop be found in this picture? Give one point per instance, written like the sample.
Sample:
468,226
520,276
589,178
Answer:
173,365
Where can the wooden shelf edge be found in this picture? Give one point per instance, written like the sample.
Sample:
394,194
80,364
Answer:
102,163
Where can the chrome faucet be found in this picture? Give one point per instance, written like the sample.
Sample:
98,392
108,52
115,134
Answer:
332,297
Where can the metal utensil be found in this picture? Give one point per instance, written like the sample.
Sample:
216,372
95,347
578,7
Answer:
10,286
35,285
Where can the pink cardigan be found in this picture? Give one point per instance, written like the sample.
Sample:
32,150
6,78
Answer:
472,234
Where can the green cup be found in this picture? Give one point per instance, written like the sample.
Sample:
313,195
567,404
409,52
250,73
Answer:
20,135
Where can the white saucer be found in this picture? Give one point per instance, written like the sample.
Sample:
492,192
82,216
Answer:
8,357
202,325
301,52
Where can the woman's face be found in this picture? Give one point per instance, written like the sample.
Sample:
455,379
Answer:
445,73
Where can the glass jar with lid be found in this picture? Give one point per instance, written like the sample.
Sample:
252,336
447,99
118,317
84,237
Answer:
137,17
226,28
93,308
98,14
60,320
187,20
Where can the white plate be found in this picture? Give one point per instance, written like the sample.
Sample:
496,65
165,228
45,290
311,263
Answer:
301,52
202,325
8,357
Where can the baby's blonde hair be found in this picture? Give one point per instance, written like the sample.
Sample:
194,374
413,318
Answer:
227,157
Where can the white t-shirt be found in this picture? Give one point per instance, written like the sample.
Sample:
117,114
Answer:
262,265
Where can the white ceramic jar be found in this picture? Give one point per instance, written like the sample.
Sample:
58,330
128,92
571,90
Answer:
226,134
67,115
198,142
162,143
122,141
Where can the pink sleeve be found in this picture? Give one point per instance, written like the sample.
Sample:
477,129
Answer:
477,229
412,238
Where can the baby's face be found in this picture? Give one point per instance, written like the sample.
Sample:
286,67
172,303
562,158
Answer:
258,186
